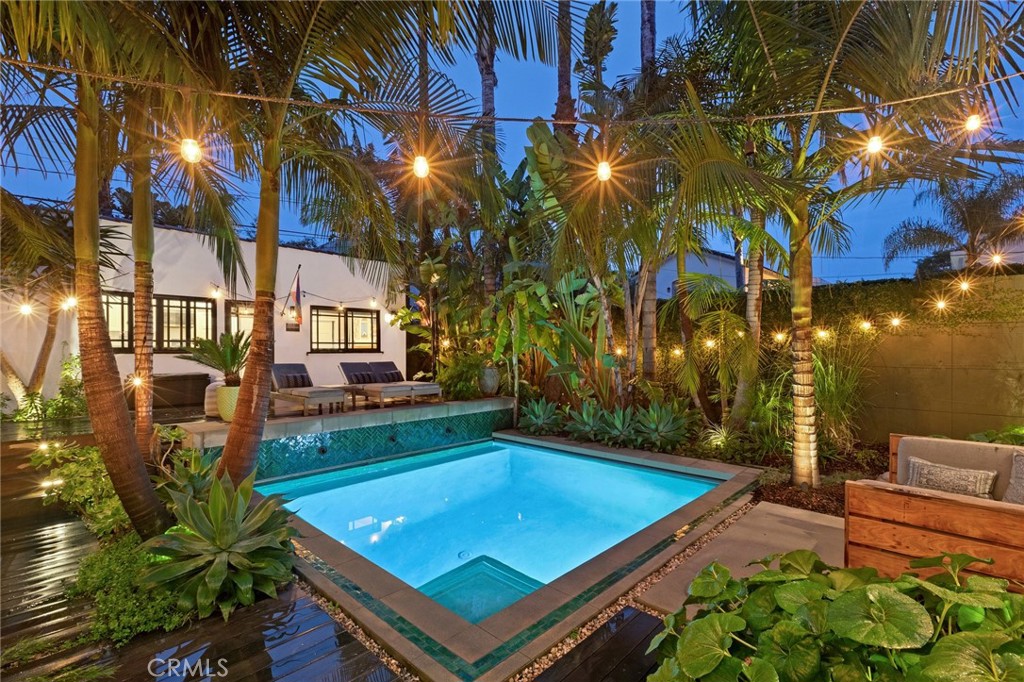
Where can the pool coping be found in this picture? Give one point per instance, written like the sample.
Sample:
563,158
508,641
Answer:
441,646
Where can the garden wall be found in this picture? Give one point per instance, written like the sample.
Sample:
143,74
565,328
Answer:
949,382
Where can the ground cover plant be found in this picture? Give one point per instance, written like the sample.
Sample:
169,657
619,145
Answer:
799,620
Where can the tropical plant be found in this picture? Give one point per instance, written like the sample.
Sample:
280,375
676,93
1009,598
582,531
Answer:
227,355
69,403
223,551
663,427
459,375
586,422
840,378
189,472
1010,435
618,427
77,478
540,417
806,621
975,216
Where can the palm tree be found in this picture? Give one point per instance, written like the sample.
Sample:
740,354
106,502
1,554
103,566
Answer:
976,217
812,57
648,39
565,105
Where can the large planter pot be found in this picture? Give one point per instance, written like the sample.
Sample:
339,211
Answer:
227,399
210,399
490,380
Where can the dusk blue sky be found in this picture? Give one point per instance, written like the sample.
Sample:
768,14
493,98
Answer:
527,89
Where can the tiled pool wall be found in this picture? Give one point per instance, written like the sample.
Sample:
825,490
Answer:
303,453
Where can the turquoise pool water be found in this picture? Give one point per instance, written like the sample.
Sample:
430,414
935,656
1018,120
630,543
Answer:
479,527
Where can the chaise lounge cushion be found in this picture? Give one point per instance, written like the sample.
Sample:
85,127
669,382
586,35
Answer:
973,482
1015,491
957,453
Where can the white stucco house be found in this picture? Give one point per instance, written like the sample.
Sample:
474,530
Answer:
717,263
343,314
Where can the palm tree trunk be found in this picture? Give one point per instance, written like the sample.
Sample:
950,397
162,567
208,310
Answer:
742,403
486,45
606,313
805,437
35,382
14,381
699,394
140,151
108,409
246,433
649,316
565,105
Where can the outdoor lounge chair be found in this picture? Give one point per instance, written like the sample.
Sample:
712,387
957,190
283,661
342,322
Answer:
381,385
291,382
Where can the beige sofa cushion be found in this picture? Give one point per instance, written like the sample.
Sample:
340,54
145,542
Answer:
958,453
973,482
1015,493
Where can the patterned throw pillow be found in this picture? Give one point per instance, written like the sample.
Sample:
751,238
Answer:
1015,491
974,482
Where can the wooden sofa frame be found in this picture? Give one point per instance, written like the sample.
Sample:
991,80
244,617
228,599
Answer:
888,524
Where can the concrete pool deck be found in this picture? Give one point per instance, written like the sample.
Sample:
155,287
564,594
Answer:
441,646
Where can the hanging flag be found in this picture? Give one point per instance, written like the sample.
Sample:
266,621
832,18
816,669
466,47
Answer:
297,297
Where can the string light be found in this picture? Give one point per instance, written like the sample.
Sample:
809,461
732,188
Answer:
25,309
420,167
940,304
604,171
677,351
373,301
446,343
69,303
895,320
973,123
964,284
996,258
779,337
865,326
619,351
874,144
191,151
822,333
710,343
216,292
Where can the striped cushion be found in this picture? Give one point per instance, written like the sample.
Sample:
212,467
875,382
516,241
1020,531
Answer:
295,381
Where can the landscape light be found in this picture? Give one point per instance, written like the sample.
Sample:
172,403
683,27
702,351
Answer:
710,343
865,326
619,351
69,303
940,304
996,258
822,333
972,123
446,343
44,446
420,167
779,337
52,482
25,309
874,144
136,381
191,151
896,321
964,285
604,171
677,351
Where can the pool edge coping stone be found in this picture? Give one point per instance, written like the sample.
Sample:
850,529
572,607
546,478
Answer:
649,548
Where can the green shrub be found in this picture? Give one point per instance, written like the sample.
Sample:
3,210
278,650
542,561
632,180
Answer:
540,417
69,402
123,611
223,551
585,424
662,427
188,471
79,480
1010,435
618,427
804,621
459,376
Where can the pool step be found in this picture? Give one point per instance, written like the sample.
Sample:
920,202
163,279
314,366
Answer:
479,588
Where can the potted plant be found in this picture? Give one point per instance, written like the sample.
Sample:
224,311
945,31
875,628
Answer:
227,355
490,379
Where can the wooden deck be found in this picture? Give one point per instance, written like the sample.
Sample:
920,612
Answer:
615,652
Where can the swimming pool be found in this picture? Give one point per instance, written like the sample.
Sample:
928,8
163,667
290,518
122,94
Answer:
476,528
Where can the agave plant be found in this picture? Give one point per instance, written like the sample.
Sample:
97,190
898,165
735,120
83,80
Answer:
222,552
190,472
540,417
661,427
226,355
618,427
586,423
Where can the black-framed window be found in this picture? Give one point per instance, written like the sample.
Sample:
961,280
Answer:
118,310
351,330
238,316
182,320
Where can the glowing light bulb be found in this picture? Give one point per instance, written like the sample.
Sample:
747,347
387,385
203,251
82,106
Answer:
136,381
44,446
997,258
964,285
191,151
677,352
874,144
620,351
822,333
779,337
710,343
865,326
972,123
740,333
446,343
420,167
25,309
373,301
215,293
940,304
896,321
604,171
69,303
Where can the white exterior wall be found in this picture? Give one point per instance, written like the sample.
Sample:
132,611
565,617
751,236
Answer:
184,266
713,264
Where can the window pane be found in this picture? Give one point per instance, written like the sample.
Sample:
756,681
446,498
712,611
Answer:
363,330
117,309
240,317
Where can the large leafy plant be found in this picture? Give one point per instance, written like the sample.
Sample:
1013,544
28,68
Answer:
226,355
223,551
78,479
804,621
586,423
661,427
540,417
618,427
